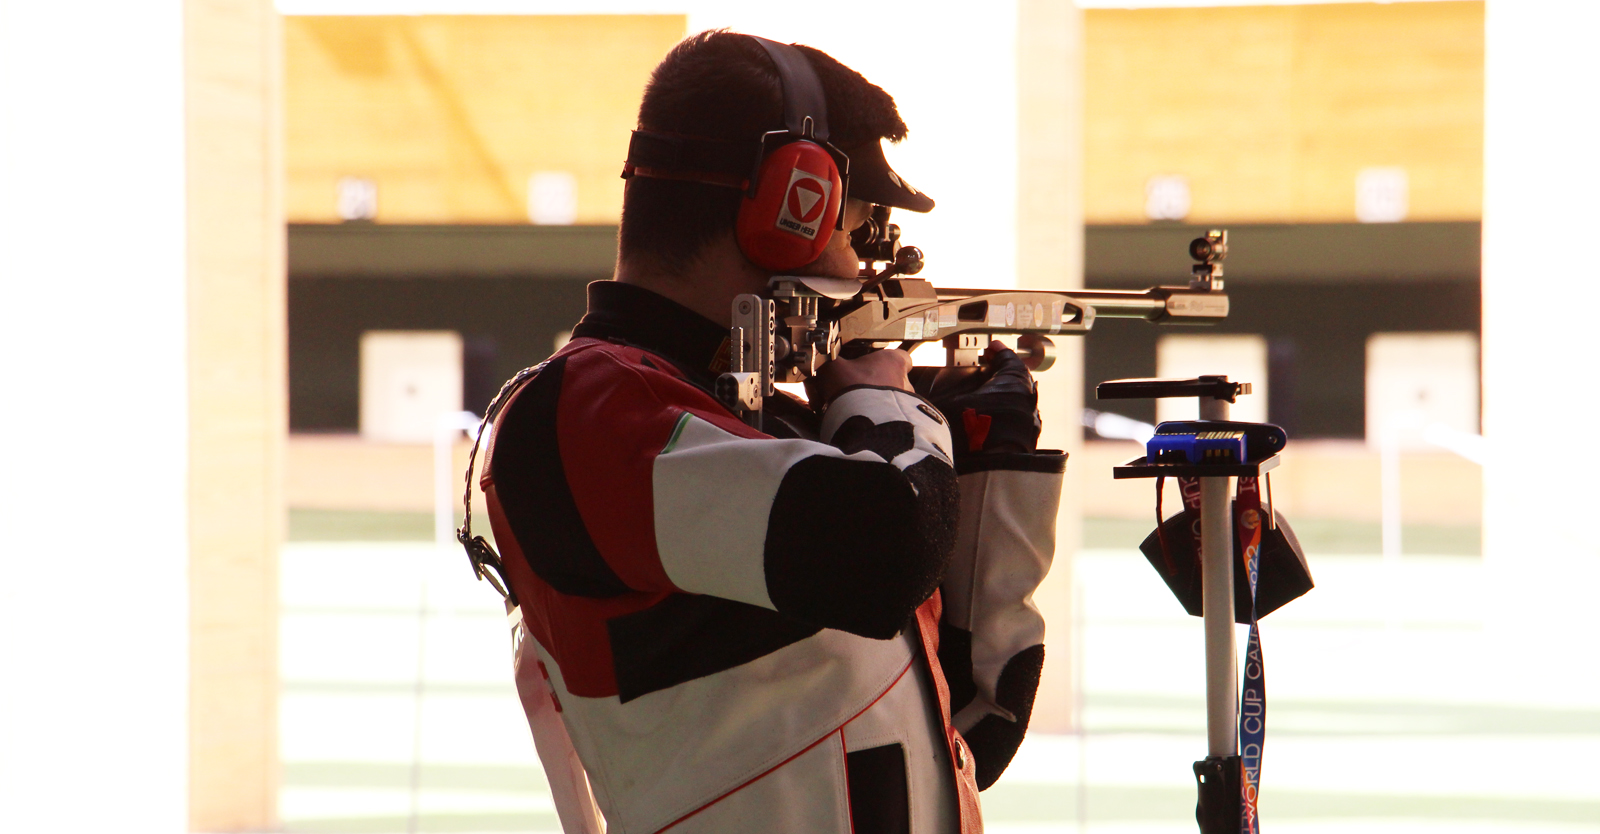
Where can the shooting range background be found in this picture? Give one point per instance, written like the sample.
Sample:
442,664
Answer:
1269,114
1284,108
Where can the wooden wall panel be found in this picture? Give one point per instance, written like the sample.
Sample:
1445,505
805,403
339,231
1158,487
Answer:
1270,111
1050,255
450,115
1195,92
1394,85
238,419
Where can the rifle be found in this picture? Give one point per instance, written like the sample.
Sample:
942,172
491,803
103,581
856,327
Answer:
805,322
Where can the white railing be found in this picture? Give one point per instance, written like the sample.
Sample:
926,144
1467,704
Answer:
1390,439
448,484
1117,427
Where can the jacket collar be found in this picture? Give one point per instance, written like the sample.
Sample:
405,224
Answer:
636,316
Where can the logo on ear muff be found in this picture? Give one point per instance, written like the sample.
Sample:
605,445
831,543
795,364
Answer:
789,220
803,204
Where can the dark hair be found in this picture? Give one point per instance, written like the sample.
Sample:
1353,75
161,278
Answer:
723,85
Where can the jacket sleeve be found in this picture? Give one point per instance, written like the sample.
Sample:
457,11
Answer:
992,635
678,495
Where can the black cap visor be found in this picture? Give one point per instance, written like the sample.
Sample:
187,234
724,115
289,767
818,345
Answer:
872,179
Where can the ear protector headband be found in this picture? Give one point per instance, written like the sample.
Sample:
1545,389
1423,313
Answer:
796,186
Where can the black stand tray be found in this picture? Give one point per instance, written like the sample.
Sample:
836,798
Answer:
1141,467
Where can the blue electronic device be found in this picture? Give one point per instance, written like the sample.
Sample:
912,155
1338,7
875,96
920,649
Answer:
1199,442
1196,447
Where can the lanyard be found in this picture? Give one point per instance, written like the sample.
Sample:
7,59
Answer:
1253,698
1248,526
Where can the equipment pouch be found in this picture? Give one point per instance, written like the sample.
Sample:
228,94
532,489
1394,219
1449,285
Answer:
1284,572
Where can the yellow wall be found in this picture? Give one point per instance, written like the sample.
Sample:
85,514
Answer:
450,115
1270,111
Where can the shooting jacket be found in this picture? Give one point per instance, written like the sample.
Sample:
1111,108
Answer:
744,630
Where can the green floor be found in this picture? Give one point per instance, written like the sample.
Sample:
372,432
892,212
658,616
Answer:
1381,719
1318,536
1018,804
361,526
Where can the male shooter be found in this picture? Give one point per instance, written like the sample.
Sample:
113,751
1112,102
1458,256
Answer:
824,625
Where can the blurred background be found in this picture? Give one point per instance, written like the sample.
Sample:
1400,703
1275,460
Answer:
266,262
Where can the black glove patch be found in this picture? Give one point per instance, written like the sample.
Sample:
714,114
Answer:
886,440
990,410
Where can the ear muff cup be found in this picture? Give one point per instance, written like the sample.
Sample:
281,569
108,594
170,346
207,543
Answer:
791,217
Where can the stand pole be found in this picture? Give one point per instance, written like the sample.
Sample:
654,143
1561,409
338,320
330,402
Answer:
1219,777
1216,561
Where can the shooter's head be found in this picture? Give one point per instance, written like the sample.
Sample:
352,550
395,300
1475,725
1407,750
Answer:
706,109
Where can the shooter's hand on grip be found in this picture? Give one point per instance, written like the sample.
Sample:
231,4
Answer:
881,368
992,410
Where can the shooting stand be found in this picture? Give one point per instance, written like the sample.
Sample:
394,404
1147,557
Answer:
1219,810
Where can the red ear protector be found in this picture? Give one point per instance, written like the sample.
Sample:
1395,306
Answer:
794,190
792,205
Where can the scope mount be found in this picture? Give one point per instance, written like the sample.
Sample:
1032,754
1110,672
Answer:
1209,251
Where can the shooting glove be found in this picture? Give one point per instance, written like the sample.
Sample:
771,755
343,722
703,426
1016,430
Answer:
994,410
991,638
